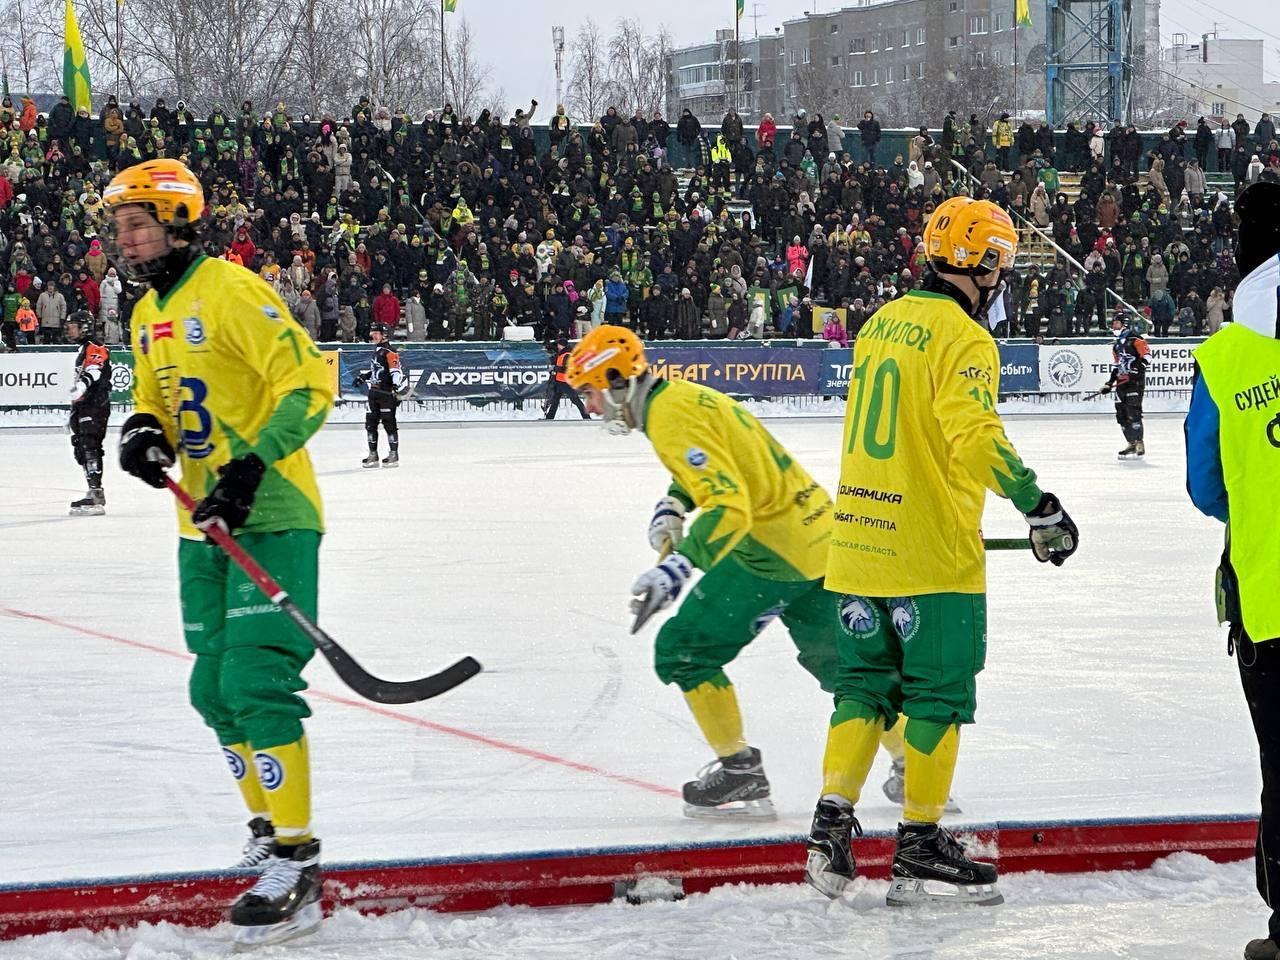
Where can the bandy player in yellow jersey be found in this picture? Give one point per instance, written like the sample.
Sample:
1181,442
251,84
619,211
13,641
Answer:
760,539
229,387
922,445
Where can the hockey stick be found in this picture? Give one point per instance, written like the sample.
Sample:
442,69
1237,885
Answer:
344,665
1015,543
646,606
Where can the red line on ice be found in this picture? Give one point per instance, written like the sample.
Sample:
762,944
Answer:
374,708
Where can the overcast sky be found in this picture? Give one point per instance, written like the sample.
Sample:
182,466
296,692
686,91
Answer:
516,34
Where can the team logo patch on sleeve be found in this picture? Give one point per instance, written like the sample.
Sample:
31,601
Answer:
194,331
271,313
696,458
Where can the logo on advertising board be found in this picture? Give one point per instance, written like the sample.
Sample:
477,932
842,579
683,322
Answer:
1065,368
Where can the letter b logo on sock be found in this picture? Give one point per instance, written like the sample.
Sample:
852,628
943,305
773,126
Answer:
270,771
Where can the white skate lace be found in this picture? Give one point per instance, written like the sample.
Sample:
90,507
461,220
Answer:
711,774
278,879
256,851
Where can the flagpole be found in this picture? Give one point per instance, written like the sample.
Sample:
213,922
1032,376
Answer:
737,59
443,97
1015,59
119,7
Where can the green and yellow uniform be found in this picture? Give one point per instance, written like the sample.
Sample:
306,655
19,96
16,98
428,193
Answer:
761,539
922,445
227,371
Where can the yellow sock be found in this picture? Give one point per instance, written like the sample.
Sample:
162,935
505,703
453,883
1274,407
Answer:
285,774
240,759
932,749
892,739
852,741
715,707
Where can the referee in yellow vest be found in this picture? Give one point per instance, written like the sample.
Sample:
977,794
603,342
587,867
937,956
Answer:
1233,452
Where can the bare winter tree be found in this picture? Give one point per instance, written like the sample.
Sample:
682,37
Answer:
394,52
167,36
29,47
319,79
638,63
817,88
591,89
466,76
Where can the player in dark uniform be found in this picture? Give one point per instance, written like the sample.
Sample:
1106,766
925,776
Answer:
386,380
90,408
1128,375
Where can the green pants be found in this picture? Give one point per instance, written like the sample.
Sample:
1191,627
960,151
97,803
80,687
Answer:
915,655
725,611
249,655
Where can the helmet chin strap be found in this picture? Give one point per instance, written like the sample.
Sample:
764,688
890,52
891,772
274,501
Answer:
936,281
624,403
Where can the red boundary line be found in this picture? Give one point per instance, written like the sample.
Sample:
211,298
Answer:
595,876
503,745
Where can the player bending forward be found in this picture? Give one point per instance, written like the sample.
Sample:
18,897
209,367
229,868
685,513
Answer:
760,538
922,440
230,387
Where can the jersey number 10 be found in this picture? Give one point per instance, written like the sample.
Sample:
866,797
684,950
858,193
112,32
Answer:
886,378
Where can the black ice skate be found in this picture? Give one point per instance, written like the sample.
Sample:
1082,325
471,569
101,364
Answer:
1130,452
371,462
285,902
730,787
261,846
1139,449
92,504
895,787
392,459
831,866
930,867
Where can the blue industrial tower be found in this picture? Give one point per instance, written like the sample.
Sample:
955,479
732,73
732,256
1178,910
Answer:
1089,67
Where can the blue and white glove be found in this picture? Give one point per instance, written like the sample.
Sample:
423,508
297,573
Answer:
666,526
1054,536
658,588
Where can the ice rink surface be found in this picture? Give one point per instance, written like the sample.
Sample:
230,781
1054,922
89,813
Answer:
1107,693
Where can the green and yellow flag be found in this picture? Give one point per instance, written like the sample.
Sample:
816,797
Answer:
1022,12
742,8
450,6
75,70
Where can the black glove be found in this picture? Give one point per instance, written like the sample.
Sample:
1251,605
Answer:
360,380
145,452
1106,388
232,498
1054,536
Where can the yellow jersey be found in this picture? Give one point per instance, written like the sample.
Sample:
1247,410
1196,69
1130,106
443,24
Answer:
922,445
227,371
756,503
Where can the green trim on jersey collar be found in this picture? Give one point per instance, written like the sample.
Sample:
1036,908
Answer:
658,387
932,296
161,301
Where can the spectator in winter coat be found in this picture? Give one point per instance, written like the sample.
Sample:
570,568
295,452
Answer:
95,260
833,330
51,310
308,314
766,133
109,293
386,310
797,257
869,133
616,293
415,317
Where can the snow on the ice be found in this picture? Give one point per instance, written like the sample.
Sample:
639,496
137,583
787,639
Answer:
1184,908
